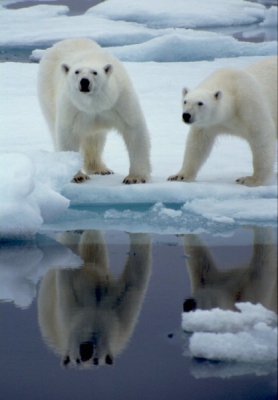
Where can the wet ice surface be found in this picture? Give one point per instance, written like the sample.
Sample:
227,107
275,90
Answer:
122,305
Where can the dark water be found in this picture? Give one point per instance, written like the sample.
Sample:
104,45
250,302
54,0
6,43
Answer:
87,334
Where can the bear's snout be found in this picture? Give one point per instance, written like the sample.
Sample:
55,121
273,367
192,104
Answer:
189,305
186,118
84,85
86,351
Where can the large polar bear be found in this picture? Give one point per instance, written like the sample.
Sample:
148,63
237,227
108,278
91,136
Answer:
237,102
87,315
84,92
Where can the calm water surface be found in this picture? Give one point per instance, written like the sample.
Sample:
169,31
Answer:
110,329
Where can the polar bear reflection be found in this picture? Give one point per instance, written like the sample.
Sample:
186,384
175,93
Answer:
87,315
255,281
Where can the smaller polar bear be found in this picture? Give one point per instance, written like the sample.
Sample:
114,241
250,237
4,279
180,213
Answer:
254,281
237,102
84,92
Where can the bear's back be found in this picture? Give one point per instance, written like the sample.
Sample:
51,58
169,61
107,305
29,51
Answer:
265,73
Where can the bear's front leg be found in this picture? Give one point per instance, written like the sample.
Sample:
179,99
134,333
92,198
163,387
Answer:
92,148
65,140
138,146
263,152
197,150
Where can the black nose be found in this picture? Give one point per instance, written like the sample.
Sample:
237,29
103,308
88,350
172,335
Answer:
86,351
186,117
189,305
84,85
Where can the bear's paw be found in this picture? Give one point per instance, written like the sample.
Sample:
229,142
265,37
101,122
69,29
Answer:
80,177
250,181
180,177
131,179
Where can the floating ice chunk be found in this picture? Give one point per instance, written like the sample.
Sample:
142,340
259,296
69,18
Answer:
30,186
256,345
191,46
249,335
217,320
270,17
189,14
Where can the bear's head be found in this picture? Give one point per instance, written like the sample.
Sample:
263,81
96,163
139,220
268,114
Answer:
86,79
200,107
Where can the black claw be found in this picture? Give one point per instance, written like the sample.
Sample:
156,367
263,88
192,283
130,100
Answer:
66,361
108,360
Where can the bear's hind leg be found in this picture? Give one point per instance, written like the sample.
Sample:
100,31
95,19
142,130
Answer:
92,148
263,151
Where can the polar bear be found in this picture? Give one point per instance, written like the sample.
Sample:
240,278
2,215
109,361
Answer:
213,287
237,102
87,315
84,92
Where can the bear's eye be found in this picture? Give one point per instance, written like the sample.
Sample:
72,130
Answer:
95,72
200,103
77,72
184,102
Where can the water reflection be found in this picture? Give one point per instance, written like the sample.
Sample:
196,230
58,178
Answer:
22,264
87,315
255,281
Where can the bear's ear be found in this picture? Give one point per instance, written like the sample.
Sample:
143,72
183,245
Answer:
185,90
65,68
108,69
218,94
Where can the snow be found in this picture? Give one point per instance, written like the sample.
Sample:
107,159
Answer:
247,336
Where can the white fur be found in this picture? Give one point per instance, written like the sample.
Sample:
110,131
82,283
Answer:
87,315
237,102
79,119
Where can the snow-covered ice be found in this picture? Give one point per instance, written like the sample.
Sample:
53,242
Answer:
187,14
30,189
36,188
144,32
214,197
246,336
